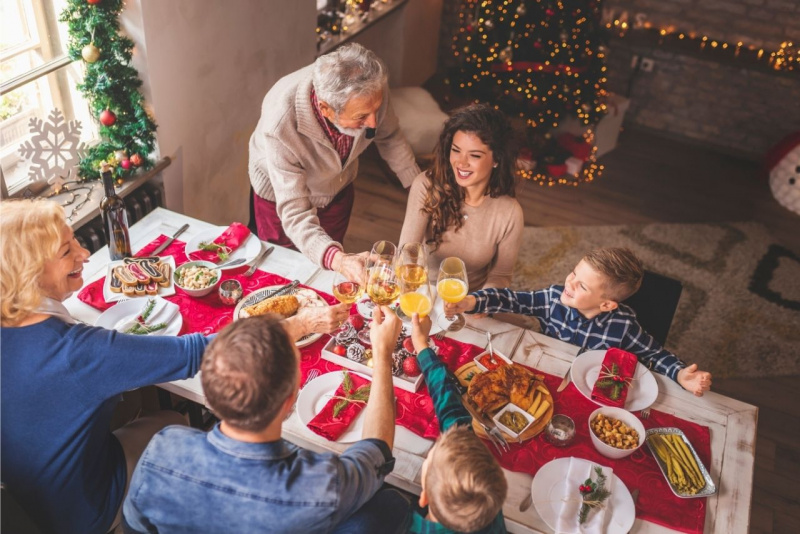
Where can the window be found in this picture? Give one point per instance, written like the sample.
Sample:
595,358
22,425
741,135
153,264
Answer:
36,76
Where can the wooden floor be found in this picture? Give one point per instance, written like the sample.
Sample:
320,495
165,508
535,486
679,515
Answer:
649,179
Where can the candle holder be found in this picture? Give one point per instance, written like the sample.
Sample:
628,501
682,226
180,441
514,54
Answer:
560,430
230,292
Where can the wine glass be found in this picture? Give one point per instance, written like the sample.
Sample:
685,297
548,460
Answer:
452,287
417,299
382,252
348,284
382,286
412,269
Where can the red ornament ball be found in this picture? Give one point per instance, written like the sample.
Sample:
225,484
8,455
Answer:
411,366
107,117
93,2
125,164
340,350
137,160
357,321
408,344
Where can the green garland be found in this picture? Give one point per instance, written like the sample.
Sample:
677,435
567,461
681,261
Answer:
110,83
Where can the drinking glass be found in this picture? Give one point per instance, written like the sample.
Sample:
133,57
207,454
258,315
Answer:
417,299
383,287
348,284
452,286
412,270
382,252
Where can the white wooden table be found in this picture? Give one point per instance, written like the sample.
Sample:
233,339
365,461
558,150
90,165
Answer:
732,423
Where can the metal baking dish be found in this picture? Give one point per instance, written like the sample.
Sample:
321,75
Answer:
709,489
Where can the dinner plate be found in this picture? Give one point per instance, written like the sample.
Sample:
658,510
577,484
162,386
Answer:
316,394
110,296
116,316
247,250
256,295
547,490
586,369
365,307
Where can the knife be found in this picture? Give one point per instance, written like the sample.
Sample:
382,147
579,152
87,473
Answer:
169,241
261,257
565,382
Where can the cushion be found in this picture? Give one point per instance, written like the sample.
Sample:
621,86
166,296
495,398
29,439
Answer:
421,118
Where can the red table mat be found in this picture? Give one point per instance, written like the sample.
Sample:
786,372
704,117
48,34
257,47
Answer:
415,412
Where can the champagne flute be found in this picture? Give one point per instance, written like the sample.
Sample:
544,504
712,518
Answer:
452,287
412,270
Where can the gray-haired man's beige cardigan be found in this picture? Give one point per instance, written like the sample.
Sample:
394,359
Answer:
293,164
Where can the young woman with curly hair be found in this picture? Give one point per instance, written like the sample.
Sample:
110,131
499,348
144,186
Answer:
464,204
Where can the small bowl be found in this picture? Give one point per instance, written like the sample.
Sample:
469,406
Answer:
512,408
497,356
198,292
230,292
626,418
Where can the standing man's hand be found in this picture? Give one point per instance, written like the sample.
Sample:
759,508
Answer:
352,266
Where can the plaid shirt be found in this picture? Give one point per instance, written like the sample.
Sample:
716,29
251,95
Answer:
343,143
615,329
450,411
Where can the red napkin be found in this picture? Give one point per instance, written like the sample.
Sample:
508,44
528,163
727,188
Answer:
603,389
232,237
330,427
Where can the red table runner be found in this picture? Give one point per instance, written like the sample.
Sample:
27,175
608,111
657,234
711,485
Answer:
415,412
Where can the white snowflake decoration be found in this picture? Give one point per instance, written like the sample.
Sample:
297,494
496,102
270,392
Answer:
54,148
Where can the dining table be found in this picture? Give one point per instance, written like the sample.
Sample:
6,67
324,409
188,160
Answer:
731,423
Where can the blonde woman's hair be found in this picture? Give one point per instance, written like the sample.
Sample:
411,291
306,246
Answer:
622,269
30,236
464,483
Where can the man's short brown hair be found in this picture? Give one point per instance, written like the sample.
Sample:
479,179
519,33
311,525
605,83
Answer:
622,269
464,483
249,370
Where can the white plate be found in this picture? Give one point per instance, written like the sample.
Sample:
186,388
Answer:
547,490
586,369
248,250
315,396
318,392
110,296
114,317
365,306
253,297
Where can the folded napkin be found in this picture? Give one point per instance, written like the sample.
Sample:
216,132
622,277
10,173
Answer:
163,312
330,427
232,238
616,376
567,521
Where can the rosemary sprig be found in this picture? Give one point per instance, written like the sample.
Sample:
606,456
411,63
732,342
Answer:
593,493
350,396
144,329
223,251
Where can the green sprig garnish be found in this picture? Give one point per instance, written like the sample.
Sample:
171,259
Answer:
595,496
223,251
350,396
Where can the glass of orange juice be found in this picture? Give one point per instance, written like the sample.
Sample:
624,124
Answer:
452,286
416,300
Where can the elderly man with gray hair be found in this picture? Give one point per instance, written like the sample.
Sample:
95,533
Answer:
304,152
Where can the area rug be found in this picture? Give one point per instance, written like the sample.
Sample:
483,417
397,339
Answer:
739,314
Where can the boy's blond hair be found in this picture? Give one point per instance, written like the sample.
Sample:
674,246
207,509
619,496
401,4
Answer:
622,269
465,485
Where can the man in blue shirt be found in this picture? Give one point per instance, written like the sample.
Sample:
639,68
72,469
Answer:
241,476
587,311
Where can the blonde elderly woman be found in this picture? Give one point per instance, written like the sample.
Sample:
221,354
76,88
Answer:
61,380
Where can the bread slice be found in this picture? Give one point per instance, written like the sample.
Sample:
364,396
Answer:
284,305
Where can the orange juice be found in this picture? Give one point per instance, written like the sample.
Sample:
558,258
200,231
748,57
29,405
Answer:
452,290
412,303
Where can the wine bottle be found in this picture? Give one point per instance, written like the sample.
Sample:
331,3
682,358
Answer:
115,219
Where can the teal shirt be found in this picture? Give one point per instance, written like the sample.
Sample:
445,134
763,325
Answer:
450,411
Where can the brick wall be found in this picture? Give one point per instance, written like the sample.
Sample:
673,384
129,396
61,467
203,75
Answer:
724,106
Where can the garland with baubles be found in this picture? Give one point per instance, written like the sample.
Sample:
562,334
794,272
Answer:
111,87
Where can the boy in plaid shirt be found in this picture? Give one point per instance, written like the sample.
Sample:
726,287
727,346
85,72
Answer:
587,311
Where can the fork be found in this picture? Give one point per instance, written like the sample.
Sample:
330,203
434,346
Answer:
312,374
440,335
644,414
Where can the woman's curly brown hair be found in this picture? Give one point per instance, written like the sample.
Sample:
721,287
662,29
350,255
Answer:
445,197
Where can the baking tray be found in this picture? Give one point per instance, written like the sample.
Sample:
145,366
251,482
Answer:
709,489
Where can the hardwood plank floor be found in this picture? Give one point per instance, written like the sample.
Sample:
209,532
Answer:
650,179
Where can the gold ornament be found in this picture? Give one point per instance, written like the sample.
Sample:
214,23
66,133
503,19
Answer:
120,154
90,53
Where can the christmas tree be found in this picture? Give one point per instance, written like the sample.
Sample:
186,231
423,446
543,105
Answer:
111,86
541,61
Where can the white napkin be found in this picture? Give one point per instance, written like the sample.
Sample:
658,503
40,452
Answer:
163,312
567,521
